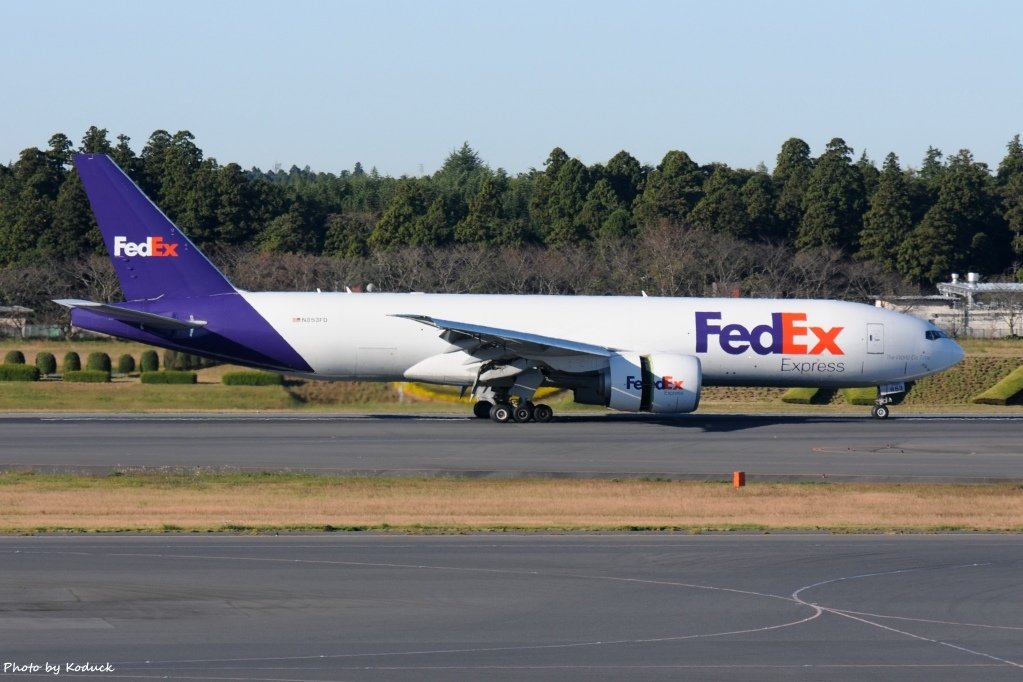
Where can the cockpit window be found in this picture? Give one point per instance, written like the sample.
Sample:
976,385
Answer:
934,334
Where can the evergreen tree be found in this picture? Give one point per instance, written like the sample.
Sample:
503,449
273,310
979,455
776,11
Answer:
791,176
543,203
485,222
1010,191
834,201
235,205
758,197
73,230
601,203
962,230
721,209
672,190
124,156
868,171
27,197
152,165
95,141
931,172
402,221
347,236
626,176
284,234
565,197
889,220
436,227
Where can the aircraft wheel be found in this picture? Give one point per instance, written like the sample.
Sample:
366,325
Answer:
482,409
880,411
543,413
523,413
501,413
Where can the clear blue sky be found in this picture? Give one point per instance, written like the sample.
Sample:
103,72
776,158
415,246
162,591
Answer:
399,84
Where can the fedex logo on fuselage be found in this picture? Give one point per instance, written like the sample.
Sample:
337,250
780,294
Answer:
153,246
787,334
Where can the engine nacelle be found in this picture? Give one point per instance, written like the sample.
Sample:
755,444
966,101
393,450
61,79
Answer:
658,382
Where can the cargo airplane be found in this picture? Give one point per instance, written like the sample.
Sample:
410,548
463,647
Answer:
637,354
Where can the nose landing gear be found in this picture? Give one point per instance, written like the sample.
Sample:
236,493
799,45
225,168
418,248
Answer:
886,395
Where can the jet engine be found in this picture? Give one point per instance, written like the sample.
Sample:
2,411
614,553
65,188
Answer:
655,382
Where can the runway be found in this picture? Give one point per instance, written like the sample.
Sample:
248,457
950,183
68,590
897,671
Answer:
697,446
571,607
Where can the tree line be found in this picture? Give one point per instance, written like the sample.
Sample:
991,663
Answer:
901,224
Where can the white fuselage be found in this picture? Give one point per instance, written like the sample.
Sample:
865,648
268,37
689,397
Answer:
768,342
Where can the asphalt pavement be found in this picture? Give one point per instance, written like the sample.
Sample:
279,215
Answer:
512,607
696,446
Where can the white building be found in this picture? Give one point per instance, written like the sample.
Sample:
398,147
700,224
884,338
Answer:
968,309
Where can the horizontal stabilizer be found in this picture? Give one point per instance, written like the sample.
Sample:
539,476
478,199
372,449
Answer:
132,316
525,344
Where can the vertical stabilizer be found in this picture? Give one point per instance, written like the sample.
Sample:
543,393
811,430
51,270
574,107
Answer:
151,256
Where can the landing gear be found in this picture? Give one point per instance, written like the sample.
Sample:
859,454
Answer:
886,395
501,412
507,399
504,412
523,413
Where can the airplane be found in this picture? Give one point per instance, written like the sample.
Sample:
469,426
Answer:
628,353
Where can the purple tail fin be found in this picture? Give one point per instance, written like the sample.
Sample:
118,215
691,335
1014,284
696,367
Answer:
151,256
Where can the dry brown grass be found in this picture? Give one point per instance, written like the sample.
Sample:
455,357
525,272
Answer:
217,502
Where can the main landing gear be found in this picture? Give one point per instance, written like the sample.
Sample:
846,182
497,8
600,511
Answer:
503,412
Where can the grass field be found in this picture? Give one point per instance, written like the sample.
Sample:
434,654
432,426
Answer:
987,362
269,502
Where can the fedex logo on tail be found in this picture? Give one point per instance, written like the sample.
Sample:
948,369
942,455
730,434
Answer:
787,334
153,246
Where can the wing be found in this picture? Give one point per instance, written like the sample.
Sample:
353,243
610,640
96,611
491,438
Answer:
517,344
131,316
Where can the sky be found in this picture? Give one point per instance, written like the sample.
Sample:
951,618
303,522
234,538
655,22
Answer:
398,85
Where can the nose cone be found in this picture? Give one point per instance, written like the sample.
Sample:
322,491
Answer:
951,353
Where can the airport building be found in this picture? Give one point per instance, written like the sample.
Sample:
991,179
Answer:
969,308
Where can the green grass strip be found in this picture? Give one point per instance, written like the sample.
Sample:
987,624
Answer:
1003,392
799,396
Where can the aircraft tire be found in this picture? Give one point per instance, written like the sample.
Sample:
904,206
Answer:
543,413
482,409
501,413
523,414
880,411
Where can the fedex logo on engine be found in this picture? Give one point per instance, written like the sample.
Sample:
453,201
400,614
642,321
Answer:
153,246
662,384
787,334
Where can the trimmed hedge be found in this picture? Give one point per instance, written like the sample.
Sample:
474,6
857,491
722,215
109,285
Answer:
169,376
799,396
14,357
860,396
18,372
252,378
1002,392
150,361
72,363
125,364
98,361
46,363
87,376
